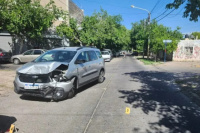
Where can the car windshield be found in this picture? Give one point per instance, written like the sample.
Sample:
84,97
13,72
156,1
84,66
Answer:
105,53
56,55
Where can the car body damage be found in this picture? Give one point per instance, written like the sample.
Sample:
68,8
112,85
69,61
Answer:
46,80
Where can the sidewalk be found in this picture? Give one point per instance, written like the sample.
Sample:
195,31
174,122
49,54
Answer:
179,67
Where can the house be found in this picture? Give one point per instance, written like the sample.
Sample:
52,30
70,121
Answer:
51,39
187,50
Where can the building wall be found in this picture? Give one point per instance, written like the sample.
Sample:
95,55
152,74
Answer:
187,50
75,12
69,6
63,4
4,42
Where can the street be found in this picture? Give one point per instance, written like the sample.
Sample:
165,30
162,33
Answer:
133,98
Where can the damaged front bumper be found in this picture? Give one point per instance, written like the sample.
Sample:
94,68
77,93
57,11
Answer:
54,90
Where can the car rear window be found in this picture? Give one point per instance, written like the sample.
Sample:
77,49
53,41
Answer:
105,53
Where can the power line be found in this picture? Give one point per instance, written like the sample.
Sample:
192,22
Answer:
160,6
166,15
161,14
155,5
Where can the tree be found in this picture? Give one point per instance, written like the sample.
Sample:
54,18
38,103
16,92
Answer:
192,8
28,20
100,30
3,12
71,31
104,31
196,34
139,36
158,33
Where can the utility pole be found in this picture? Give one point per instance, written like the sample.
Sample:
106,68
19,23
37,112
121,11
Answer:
149,21
148,43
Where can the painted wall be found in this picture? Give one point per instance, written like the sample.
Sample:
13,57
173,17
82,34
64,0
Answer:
187,50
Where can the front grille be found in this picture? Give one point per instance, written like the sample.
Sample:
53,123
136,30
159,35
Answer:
34,78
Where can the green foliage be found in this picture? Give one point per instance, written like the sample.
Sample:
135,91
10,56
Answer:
160,33
196,34
71,31
191,9
157,33
100,30
139,35
105,31
28,19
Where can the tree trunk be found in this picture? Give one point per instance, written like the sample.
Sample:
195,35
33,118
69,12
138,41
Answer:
81,44
21,44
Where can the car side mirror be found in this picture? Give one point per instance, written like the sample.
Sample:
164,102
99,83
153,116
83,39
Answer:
80,61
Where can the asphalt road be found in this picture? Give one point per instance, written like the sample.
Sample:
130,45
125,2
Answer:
133,98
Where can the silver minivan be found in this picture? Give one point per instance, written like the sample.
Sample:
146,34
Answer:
57,73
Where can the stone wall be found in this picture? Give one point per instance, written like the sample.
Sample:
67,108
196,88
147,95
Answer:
187,50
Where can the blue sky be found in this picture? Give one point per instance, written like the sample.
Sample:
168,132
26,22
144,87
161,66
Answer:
132,15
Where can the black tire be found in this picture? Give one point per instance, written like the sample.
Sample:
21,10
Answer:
71,93
16,61
101,76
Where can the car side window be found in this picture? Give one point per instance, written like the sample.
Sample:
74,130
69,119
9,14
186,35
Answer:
30,52
83,56
92,55
98,54
37,52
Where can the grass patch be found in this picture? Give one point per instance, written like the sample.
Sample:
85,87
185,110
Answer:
148,61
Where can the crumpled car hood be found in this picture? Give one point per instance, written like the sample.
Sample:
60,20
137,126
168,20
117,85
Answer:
40,67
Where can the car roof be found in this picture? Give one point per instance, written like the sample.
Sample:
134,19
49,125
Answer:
36,49
75,48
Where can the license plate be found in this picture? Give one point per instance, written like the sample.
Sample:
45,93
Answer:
31,86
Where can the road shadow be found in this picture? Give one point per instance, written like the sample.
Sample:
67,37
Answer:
175,112
5,122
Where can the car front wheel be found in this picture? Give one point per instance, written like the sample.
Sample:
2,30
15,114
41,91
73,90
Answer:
101,76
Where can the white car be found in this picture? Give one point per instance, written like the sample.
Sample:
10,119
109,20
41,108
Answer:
106,55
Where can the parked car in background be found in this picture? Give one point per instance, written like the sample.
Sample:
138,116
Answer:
111,54
57,73
27,56
116,54
135,53
106,55
4,56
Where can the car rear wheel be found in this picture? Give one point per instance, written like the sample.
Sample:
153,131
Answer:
101,76
16,61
